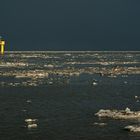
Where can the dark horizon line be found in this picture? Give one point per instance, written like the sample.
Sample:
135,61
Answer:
72,51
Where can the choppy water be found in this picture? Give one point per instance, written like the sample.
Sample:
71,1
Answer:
63,90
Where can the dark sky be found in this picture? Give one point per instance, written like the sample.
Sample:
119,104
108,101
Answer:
70,24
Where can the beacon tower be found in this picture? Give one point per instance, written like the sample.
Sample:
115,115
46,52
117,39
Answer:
2,45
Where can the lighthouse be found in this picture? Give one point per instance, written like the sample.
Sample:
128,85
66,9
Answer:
2,44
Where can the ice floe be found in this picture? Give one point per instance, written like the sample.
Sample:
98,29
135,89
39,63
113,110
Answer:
31,123
29,101
99,124
132,128
37,68
126,114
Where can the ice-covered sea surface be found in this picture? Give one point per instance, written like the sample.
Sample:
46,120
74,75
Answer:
63,90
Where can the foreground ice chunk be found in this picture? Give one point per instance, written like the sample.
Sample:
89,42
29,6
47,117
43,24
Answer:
119,114
133,128
32,125
100,124
94,83
30,120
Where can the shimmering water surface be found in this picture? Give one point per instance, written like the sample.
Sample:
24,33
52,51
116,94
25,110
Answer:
63,91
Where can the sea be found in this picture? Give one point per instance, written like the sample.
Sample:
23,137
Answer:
60,91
